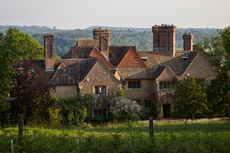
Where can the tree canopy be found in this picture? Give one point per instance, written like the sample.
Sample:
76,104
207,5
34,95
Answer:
189,99
14,46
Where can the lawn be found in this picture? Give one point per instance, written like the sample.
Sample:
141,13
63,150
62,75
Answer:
208,136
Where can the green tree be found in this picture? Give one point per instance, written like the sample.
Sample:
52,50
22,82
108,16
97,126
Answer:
190,100
22,46
225,35
219,89
14,46
219,95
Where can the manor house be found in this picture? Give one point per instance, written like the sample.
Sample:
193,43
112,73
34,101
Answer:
96,67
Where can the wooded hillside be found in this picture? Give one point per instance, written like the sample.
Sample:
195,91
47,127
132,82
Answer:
140,37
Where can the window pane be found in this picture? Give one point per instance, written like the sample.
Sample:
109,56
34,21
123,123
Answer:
100,89
134,84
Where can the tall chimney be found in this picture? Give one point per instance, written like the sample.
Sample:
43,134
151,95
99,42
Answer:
49,52
164,39
103,37
188,42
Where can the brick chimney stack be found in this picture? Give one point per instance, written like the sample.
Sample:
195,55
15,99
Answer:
188,42
103,36
164,39
49,52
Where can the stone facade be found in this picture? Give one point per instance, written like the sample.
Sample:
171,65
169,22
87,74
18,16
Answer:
99,75
95,67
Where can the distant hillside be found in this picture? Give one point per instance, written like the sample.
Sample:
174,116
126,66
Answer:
140,37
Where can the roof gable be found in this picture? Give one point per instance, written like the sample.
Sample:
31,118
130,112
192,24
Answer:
200,68
72,71
164,73
97,54
180,63
94,70
116,53
131,60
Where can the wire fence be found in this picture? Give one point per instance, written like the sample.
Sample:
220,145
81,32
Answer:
129,138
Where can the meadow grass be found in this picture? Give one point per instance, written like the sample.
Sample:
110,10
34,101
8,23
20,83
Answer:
209,136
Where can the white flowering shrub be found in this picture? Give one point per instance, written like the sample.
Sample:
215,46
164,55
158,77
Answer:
125,109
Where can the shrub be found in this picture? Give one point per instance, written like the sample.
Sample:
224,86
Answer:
125,109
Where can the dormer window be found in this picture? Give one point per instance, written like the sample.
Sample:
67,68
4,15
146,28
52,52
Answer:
144,58
185,58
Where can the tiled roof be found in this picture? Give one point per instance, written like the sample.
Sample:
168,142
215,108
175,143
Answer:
79,52
72,71
150,58
135,73
87,43
180,63
37,65
160,69
117,53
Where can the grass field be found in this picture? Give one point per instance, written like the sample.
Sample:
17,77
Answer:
170,137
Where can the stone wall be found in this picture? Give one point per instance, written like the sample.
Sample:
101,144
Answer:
66,91
99,76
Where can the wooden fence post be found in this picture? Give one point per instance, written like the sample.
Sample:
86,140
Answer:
20,131
151,130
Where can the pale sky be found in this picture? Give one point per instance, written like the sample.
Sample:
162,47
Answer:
74,14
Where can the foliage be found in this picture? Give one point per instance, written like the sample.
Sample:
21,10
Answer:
225,35
125,109
219,89
219,94
32,92
14,46
216,49
6,73
213,50
22,46
189,99
74,111
170,136
140,37
55,117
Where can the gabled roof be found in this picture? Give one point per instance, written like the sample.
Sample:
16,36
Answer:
72,71
180,63
87,52
131,60
164,73
36,65
117,53
102,65
97,54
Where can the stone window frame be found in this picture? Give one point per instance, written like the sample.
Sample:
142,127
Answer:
100,89
134,84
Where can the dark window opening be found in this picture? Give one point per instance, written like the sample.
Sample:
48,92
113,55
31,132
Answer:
166,85
134,84
100,90
147,103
